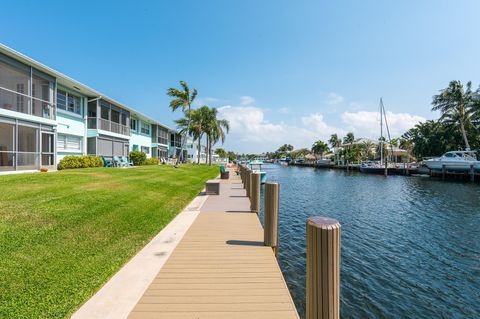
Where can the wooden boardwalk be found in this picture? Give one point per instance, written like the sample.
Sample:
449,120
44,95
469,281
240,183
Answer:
220,269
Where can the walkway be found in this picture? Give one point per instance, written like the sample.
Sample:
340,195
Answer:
220,269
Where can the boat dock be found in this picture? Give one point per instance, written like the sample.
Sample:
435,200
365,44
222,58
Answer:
444,174
220,268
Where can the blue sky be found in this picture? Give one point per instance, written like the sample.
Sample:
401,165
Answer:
280,71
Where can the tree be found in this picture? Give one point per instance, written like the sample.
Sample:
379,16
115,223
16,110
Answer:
183,99
221,152
432,138
319,147
232,156
349,139
334,141
215,129
457,106
285,148
199,123
366,150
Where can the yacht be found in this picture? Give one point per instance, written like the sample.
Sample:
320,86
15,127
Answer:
455,161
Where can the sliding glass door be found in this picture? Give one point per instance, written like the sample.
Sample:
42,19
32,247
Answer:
48,151
28,149
7,147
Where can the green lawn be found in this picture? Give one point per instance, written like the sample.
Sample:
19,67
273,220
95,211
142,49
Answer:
64,234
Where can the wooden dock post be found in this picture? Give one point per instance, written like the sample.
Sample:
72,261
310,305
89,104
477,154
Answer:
443,171
472,173
271,207
248,183
242,175
255,185
323,268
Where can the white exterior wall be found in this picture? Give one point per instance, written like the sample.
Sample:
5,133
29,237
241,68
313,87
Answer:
72,125
140,139
192,149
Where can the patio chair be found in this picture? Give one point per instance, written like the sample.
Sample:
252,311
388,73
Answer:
117,162
126,161
223,173
107,163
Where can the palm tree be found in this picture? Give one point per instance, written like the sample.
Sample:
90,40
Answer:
215,129
335,143
367,149
456,106
198,125
349,139
182,99
319,147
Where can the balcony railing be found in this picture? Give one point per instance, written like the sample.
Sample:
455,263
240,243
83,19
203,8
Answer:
19,102
106,125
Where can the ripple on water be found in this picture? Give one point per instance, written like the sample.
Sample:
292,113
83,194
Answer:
410,246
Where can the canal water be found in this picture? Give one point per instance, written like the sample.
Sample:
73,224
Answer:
410,245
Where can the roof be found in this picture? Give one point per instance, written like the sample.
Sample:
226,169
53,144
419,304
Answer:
71,83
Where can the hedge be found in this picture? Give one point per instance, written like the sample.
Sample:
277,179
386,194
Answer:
69,162
151,161
138,158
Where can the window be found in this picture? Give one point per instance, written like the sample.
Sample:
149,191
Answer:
105,112
69,143
25,89
115,116
146,149
133,124
135,148
145,128
162,136
41,88
68,102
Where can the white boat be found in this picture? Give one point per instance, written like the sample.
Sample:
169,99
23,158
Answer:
460,161
256,167
324,162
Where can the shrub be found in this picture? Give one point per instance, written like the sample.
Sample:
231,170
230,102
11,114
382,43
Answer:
69,162
138,158
151,161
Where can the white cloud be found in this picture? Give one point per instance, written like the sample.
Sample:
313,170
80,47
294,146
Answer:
252,132
317,124
246,100
334,99
201,101
284,110
367,124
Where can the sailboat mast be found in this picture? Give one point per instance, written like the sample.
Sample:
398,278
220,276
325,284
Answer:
381,131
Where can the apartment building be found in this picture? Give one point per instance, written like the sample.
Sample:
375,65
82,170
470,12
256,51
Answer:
45,115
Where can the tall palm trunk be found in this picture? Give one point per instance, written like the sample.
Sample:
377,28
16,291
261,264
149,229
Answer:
184,139
199,148
464,133
210,152
206,150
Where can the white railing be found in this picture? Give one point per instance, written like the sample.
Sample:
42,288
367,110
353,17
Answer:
106,125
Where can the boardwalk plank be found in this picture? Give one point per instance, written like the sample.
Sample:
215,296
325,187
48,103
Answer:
220,269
